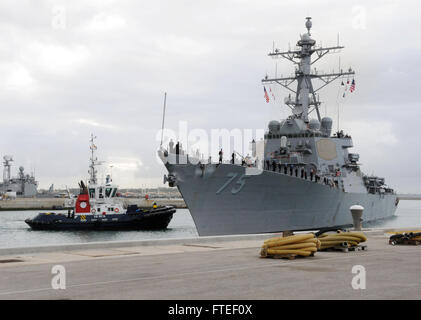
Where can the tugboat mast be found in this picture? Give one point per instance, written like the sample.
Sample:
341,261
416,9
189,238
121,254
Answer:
305,94
94,161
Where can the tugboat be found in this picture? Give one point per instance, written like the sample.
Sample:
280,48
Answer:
98,208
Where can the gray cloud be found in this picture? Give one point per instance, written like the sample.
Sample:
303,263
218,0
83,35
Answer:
105,71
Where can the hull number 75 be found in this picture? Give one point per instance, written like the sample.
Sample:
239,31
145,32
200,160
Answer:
239,184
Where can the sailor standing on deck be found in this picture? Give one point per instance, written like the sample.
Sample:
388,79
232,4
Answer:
171,144
220,156
233,158
273,165
177,152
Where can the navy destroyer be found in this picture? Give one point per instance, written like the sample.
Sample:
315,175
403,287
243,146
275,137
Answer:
304,179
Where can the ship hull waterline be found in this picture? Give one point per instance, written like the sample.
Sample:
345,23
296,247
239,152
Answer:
113,222
223,200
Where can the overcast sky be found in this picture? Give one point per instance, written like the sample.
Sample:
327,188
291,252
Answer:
70,68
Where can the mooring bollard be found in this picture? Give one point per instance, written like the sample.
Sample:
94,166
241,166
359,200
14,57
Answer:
357,212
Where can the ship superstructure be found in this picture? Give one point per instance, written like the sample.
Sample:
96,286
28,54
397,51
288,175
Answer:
305,178
23,185
307,146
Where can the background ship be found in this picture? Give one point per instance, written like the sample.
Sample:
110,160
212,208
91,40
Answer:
301,178
24,185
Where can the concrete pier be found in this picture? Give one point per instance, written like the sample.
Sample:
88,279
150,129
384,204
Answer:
210,268
32,204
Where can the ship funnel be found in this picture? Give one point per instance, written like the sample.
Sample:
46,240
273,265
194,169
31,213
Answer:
326,126
274,126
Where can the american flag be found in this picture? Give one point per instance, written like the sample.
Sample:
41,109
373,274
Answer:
266,95
352,88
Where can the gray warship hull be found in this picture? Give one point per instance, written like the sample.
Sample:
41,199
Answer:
269,201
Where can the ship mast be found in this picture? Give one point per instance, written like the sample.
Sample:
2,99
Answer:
93,162
305,94
6,171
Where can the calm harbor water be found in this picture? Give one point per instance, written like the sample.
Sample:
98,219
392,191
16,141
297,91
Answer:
15,233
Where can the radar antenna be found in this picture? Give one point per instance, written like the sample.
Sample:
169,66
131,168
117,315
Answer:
305,93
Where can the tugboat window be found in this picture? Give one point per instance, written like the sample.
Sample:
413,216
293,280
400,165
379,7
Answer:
101,193
114,192
91,193
108,192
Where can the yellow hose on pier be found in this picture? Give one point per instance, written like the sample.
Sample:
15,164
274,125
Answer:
296,245
344,239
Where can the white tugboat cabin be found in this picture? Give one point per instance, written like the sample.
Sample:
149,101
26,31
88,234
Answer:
97,199
103,200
